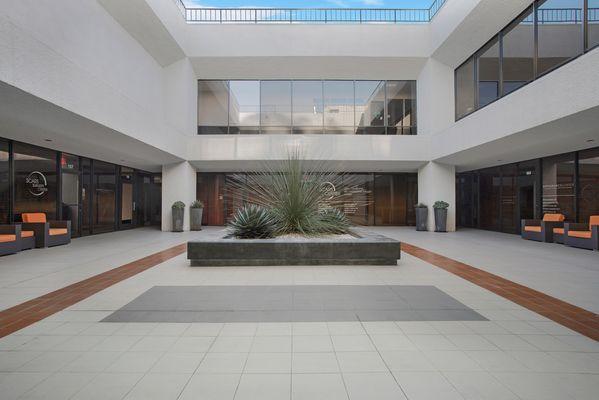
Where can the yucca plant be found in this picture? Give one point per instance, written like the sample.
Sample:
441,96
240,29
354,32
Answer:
295,192
252,222
334,221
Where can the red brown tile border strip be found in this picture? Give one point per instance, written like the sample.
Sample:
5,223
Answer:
22,315
578,319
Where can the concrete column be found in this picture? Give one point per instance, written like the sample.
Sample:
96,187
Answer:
178,184
436,181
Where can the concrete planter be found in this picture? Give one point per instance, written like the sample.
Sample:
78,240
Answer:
366,249
195,219
440,220
178,215
421,218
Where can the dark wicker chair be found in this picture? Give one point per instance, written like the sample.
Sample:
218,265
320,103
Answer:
549,229
47,233
585,236
10,239
27,239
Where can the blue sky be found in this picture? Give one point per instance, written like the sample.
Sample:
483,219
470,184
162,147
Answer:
312,3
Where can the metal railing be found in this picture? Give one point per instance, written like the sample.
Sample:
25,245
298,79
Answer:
311,15
563,16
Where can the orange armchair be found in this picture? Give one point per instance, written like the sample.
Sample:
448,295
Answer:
46,233
10,239
549,229
585,236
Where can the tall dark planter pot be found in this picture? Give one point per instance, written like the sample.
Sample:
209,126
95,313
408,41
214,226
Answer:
421,218
178,215
195,215
440,220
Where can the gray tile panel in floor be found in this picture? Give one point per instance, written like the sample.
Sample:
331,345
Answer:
293,304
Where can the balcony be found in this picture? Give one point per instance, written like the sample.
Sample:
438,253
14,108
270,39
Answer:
310,15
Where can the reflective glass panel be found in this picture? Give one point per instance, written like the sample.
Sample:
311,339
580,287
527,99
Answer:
339,104
464,86
490,183
559,189
559,31
518,52
35,180
244,103
307,104
588,178
104,198
488,73
401,106
4,183
275,103
213,98
370,103
593,18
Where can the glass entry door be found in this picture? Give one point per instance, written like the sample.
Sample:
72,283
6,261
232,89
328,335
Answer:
69,181
143,204
128,205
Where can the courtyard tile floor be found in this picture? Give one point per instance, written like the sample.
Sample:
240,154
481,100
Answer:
515,354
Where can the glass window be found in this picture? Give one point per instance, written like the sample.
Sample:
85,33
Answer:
213,98
70,190
104,199
275,103
359,205
593,27
35,180
508,198
370,103
588,178
244,103
489,187
559,185
518,52
307,106
559,31
4,183
391,199
338,104
401,107
488,73
464,87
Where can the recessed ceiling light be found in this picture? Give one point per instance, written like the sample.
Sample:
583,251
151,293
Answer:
590,140
48,140
499,160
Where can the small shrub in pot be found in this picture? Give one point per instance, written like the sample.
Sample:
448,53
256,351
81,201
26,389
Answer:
440,208
178,212
196,210
421,216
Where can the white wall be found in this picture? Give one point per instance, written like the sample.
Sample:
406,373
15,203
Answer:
75,55
435,109
436,182
180,98
178,184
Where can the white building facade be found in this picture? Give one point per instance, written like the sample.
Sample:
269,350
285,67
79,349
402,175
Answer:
490,106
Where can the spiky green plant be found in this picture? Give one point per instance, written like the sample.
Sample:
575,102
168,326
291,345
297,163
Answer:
296,192
252,222
334,221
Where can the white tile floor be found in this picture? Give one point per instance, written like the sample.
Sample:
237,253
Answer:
517,354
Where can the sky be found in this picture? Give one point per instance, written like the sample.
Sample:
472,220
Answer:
311,3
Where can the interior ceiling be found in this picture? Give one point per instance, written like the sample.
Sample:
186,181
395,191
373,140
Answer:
29,119
574,132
